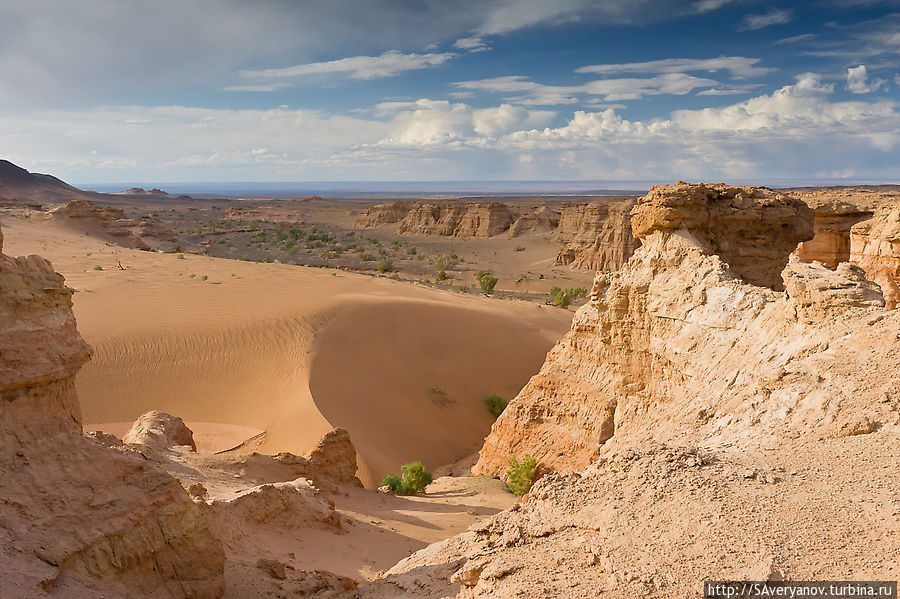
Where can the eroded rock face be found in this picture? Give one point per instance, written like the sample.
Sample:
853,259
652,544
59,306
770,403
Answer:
109,223
292,504
79,516
596,235
678,343
334,458
382,214
834,216
159,431
875,246
542,219
456,219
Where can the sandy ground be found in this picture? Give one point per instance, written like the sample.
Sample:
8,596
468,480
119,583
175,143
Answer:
289,350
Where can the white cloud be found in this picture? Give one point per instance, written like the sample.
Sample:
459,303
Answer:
857,81
471,44
709,5
794,39
611,90
774,16
389,64
491,122
737,66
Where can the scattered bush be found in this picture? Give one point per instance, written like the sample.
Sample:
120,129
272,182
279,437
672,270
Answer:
441,275
179,255
445,262
413,479
496,404
563,298
98,267
520,248
487,281
366,257
384,265
204,277
411,250
521,476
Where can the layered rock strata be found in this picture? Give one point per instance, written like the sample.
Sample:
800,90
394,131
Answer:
79,517
678,342
382,214
833,220
456,219
596,235
875,247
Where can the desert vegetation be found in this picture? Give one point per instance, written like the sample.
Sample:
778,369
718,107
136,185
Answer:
413,479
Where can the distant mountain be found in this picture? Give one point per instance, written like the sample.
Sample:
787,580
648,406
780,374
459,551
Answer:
18,185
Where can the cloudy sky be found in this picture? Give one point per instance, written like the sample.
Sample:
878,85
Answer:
101,91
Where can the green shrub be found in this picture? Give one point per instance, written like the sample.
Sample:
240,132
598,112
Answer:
179,255
520,248
554,290
413,479
445,262
563,298
366,257
521,476
496,404
98,267
486,280
580,292
384,265
411,250
204,277
441,275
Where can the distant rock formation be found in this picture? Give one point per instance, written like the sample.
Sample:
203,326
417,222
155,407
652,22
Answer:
542,219
596,235
382,214
159,431
80,518
451,218
110,223
681,343
875,246
140,191
18,185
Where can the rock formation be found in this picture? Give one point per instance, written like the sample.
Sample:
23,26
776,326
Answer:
78,516
291,504
542,219
679,343
833,219
109,223
875,246
159,431
596,235
334,458
456,219
382,214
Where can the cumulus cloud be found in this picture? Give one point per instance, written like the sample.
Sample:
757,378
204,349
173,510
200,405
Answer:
389,64
857,81
773,16
708,5
737,66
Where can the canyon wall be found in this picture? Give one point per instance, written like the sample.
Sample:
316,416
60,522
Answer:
79,517
456,219
875,246
596,235
680,343
382,214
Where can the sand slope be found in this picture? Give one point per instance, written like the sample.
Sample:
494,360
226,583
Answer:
242,347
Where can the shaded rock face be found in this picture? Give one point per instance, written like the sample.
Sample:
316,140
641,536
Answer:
677,341
753,229
831,243
78,516
456,219
596,235
542,219
382,214
159,431
291,504
875,246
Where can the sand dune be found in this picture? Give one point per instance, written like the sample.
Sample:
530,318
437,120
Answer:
290,351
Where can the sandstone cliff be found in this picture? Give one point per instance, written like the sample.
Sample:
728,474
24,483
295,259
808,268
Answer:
875,246
678,342
596,235
831,243
542,219
80,517
456,219
382,214
109,223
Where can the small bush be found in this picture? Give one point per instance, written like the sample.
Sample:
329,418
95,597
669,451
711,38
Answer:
496,404
98,267
445,262
179,255
441,275
520,248
384,265
486,280
411,250
204,278
413,479
580,292
563,298
366,257
521,476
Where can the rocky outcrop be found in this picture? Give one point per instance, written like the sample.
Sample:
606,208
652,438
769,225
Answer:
291,504
451,218
596,235
334,458
542,219
875,246
159,431
78,516
678,342
834,216
109,223
382,214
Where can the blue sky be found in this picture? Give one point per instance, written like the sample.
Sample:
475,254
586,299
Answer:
420,90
